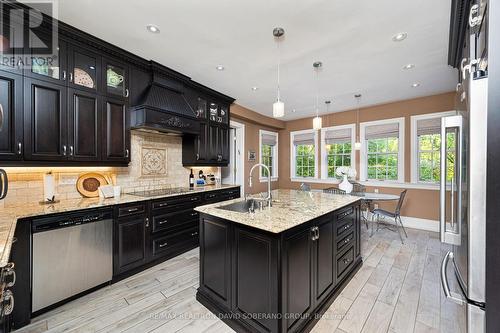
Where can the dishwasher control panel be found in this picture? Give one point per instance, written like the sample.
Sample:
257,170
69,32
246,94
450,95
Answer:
50,223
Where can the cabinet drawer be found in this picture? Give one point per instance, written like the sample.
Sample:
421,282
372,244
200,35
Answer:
174,220
344,262
174,242
344,214
345,241
131,210
177,202
345,227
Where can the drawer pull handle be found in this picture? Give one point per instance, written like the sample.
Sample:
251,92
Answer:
163,204
147,222
194,233
347,240
163,222
194,214
194,199
163,245
131,210
346,261
347,227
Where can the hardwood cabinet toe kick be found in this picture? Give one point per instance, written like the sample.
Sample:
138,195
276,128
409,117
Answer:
257,281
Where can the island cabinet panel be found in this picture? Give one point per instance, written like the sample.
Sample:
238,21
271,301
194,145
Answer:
255,271
298,278
215,256
324,259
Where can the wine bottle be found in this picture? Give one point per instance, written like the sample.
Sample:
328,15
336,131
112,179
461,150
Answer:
191,179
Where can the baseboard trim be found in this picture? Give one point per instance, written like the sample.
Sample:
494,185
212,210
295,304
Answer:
421,224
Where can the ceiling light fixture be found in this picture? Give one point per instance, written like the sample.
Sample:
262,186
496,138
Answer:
219,68
357,144
317,121
153,28
399,37
255,88
278,106
408,66
415,85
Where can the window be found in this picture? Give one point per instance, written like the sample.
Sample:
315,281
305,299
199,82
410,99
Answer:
382,153
303,155
269,153
337,149
426,148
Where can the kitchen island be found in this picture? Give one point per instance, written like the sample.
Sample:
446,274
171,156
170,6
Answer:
279,268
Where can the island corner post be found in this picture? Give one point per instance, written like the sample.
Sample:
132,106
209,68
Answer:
259,281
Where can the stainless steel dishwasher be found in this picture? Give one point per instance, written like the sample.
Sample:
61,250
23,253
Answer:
72,253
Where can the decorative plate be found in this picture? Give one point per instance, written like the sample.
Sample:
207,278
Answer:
88,184
82,78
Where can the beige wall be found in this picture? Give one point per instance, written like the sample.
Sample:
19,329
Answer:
419,203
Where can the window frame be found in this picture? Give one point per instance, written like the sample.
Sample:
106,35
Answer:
415,167
293,175
274,175
364,151
324,157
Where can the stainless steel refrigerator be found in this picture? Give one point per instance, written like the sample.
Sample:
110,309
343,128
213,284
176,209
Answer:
463,184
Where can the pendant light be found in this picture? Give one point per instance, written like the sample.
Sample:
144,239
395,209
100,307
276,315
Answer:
278,106
357,145
317,121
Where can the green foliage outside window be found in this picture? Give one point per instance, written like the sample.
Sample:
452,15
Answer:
383,158
304,161
429,152
267,159
338,154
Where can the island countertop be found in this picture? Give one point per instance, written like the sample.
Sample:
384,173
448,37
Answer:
290,208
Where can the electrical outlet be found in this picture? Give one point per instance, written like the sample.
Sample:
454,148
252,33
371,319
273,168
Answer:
67,179
375,190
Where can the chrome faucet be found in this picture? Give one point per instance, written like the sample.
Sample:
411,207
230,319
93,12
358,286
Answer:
268,199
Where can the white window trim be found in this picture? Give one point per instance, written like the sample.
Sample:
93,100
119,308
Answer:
292,155
401,150
324,160
414,143
274,176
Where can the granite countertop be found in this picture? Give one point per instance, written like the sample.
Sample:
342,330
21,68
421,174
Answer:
10,216
290,208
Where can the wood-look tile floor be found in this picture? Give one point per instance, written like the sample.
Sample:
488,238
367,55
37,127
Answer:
397,290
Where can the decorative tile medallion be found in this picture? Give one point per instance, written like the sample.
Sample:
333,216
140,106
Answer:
153,162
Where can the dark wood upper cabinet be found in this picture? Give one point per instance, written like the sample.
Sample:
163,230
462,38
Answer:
84,69
11,35
11,116
116,130
224,145
115,78
84,124
48,67
45,121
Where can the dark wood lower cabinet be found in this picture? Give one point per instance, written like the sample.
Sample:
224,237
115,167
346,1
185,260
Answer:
264,282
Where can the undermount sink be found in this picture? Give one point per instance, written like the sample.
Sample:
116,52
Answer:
241,206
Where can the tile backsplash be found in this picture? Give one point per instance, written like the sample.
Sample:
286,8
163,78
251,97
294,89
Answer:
156,162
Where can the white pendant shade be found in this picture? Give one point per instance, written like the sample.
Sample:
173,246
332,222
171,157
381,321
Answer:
278,109
357,145
317,123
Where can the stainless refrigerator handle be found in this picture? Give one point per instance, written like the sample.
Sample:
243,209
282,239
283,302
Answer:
444,281
1,116
452,200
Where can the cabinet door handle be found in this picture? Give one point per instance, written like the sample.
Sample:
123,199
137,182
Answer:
163,204
70,150
197,157
8,296
194,214
346,261
126,153
131,210
64,75
163,245
147,222
64,150
194,233
11,272
19,148
70,77
163,222
127,93
1,116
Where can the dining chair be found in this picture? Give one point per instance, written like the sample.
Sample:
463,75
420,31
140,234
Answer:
333,190
305,187
366,205
396,215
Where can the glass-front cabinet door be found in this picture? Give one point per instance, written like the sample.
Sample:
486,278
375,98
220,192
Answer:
115,76
84,69
11,42
47,66
224,114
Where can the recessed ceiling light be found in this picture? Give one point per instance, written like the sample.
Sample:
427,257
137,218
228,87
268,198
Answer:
415,85
255,88
293,110
399,37
408,66
219,68
153,28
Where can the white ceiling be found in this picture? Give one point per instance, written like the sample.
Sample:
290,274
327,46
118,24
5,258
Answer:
353,39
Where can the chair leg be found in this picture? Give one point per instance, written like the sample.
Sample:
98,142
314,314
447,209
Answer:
372,223
378,221
399,231
402,226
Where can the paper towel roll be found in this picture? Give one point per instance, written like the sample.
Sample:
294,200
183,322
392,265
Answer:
48,187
